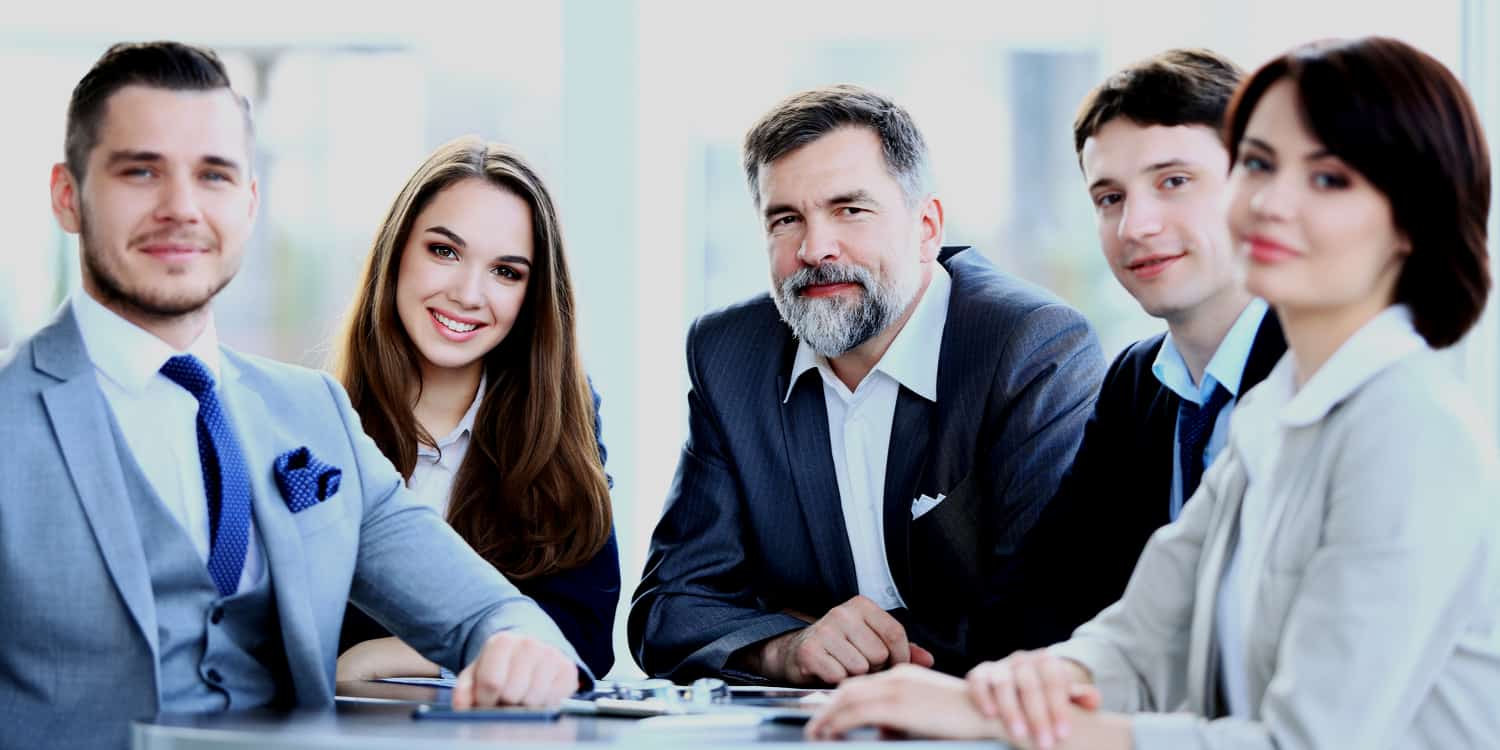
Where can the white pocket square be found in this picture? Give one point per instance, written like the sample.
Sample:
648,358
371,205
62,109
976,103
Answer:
923,503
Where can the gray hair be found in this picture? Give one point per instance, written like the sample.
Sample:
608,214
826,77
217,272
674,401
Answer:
808,116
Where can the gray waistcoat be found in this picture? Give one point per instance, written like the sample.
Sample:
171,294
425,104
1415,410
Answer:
215,653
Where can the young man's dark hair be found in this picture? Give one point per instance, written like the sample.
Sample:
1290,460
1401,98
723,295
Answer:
1176,87
164,65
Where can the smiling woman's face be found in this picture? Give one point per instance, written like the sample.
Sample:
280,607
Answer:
1317,233
464,273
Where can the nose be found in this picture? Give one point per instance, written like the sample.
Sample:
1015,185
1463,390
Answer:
177,200
1140,218
820,243
467,288
1269,199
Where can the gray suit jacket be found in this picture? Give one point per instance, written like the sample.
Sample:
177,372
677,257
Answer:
753,523
78,630
1376,613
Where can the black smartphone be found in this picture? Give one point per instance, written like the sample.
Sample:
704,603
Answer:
502,713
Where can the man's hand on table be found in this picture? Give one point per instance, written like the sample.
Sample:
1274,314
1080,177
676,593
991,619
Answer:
516,670
854,638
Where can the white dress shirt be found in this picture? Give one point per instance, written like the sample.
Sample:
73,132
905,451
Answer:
432,477
1382,342
158,417
859,429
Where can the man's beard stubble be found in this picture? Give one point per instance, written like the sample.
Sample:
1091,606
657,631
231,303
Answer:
835,325
108,279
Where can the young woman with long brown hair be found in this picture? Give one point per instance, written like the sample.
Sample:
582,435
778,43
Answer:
460,356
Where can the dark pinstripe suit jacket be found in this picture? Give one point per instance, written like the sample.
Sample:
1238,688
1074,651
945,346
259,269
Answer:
753,524
1111,501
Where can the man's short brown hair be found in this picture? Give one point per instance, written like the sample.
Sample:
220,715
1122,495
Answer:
163,65
1176,87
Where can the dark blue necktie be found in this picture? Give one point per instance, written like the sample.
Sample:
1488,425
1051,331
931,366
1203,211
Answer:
1195,424
226,481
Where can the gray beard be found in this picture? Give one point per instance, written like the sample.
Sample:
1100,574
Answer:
832,326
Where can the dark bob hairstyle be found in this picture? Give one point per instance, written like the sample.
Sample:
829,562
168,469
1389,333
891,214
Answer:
1403,121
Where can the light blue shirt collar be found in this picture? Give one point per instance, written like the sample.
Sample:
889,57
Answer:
1226,367
129,355
912,359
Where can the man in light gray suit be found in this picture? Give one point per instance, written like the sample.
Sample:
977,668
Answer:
181,524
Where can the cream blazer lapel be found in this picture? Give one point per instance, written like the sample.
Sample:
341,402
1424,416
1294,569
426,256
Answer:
1229,482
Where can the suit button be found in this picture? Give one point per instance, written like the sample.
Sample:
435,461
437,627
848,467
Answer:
214,676
216,615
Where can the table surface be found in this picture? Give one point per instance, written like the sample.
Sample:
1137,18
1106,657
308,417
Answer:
374,716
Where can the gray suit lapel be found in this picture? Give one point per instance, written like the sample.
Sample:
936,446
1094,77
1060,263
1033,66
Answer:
1203,646
281,540
906,457
804,423
81,418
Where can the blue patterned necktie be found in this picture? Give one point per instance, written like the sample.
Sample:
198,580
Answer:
226,481
1194,426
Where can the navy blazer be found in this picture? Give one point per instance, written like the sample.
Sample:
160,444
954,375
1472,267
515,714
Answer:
1081,553
582,601
753,523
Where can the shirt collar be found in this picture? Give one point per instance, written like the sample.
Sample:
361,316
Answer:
1226,367
912,358
1387,339
464,427
128,354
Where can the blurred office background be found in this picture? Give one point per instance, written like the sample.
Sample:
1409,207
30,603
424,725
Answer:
634,110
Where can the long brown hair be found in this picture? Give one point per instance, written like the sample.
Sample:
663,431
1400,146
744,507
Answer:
530,495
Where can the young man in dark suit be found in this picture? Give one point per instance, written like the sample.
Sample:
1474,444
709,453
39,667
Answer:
869,443
1156,170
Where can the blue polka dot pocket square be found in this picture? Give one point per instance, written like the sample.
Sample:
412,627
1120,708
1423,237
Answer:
304,480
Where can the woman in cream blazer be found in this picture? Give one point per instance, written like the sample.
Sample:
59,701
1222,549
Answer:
1335,581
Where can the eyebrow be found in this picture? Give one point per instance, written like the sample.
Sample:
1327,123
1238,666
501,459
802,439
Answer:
1321,153
118,157
777,208
1260,144
220,161
457,240
450,234
857,195
853,196
1148,169
128,156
